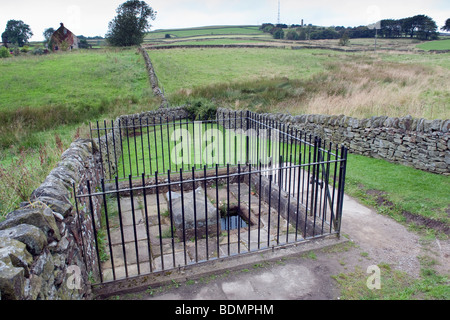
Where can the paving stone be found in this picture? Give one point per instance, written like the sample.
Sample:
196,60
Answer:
168,261
130,218
128,234
238,290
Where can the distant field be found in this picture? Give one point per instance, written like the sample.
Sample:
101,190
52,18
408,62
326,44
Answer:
203,31
41,93
435,45
309,80
190,68
157,37
223,41
74,79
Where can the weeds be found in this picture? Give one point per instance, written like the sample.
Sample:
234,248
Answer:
26,170
310,255
16,184
395,285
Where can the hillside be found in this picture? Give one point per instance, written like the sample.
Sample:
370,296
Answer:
251,35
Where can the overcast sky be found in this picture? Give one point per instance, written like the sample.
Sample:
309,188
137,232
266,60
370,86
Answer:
91,17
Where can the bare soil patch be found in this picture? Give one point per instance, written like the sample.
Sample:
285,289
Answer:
382,201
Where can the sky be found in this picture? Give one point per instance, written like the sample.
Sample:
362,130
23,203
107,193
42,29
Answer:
91,17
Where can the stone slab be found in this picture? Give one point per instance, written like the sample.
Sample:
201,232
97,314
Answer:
196,214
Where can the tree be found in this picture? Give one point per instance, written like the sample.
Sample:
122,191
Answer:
389,28
447,25
17,32
5,39
302,34
407,26
278,33
266,27
292,35
344,40
419,26
426,27
324,33
128,28
48,35
83,43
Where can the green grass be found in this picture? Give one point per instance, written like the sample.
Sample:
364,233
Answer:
154,147
202,42
204,31
191,68
80,78
434,60
395,285
435,45
415,191
43,93
307,81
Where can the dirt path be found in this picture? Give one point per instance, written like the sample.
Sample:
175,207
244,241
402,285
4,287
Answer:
385,240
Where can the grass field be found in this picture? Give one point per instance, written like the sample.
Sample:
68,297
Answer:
186,69
206,41
435,45
38,94
309,81
85,78
406,189
204,31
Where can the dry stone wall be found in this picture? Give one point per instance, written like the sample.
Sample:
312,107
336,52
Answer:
154,83
42,243
419,143
154,116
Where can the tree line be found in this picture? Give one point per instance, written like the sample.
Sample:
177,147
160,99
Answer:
310,32
421,27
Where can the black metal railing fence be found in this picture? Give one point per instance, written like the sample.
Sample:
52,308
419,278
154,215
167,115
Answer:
186,192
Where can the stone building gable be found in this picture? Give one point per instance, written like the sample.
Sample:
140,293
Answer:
63,39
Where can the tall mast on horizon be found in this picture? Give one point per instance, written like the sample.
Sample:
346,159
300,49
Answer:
279,20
